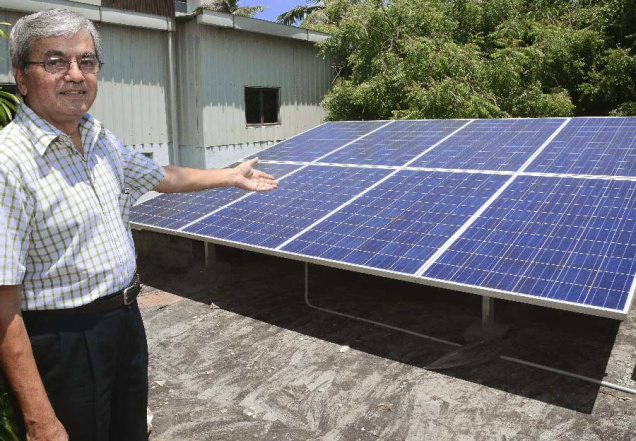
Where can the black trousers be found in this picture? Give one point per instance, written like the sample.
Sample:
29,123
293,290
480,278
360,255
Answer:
95,371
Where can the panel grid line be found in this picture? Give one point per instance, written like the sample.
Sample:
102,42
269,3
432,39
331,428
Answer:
351,142
369,188
457,170
488,203
289,174
233,202
577,243
541,211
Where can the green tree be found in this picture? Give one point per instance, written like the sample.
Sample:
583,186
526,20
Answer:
307,14
230,7
480,58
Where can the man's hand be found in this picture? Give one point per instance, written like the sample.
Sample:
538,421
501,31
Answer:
51,431
183,179
251,179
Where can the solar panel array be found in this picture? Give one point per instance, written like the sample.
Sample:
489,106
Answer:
541,211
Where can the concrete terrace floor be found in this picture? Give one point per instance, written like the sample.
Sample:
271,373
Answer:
236,354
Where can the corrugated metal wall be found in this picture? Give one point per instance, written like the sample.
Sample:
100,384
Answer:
133,84
6,75
214,66
133,100
188,84
231,60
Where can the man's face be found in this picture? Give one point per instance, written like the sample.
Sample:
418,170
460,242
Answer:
61,99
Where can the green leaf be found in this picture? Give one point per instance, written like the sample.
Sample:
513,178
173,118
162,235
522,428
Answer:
8,425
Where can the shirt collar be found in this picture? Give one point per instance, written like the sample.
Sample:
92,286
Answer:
42,133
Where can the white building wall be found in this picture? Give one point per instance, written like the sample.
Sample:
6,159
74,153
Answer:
214,64
232,60
6,74
189,84
133,98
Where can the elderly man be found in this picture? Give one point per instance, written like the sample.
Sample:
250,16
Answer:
72,343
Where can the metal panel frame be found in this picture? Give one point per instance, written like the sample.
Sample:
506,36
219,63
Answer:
471,289
418,277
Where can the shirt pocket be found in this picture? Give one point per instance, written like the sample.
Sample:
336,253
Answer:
125,203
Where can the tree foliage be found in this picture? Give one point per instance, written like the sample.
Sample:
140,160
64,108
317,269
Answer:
480,58
312,12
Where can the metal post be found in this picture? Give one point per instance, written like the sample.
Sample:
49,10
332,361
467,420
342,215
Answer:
172,79
487,311
210,253
307,282
488,316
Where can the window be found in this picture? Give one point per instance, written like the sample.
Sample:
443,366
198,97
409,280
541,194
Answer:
261,105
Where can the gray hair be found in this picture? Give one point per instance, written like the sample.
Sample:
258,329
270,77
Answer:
47,23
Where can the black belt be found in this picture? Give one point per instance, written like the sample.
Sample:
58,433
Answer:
104,304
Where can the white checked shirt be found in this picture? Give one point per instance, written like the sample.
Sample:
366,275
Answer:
64,232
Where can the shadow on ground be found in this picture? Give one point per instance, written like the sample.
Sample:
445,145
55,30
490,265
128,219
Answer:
271,290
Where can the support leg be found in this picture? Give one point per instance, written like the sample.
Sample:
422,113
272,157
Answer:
486,328
487,311
373,322
488,304
307,284
210,253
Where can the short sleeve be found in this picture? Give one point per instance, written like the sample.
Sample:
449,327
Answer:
141,174
14,229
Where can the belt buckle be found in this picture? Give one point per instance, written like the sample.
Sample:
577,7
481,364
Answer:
130,293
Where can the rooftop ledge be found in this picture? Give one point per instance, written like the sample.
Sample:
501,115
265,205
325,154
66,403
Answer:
91,10
224,20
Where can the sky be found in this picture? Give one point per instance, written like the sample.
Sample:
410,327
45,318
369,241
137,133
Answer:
276,7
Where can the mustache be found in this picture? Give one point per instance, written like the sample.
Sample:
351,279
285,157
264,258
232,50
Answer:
79,87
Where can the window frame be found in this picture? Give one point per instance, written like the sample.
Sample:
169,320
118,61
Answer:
261,103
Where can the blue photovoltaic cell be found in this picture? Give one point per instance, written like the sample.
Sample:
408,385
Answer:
395,144
315,143
269,219
175,210
591,146
496,144
400,223
554,238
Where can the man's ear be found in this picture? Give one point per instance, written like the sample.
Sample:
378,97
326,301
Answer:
20,80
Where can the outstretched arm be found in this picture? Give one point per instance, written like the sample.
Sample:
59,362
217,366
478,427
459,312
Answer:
182,179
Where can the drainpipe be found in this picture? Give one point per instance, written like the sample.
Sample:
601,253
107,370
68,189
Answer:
172,63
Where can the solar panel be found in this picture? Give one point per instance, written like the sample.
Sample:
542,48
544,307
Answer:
173,211
399,224
534,210
396,144
268,219
504,144
592,146
566,239
319,142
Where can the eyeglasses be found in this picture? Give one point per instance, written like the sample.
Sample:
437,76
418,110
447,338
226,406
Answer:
61,66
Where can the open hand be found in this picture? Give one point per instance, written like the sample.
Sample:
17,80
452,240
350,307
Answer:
248,178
